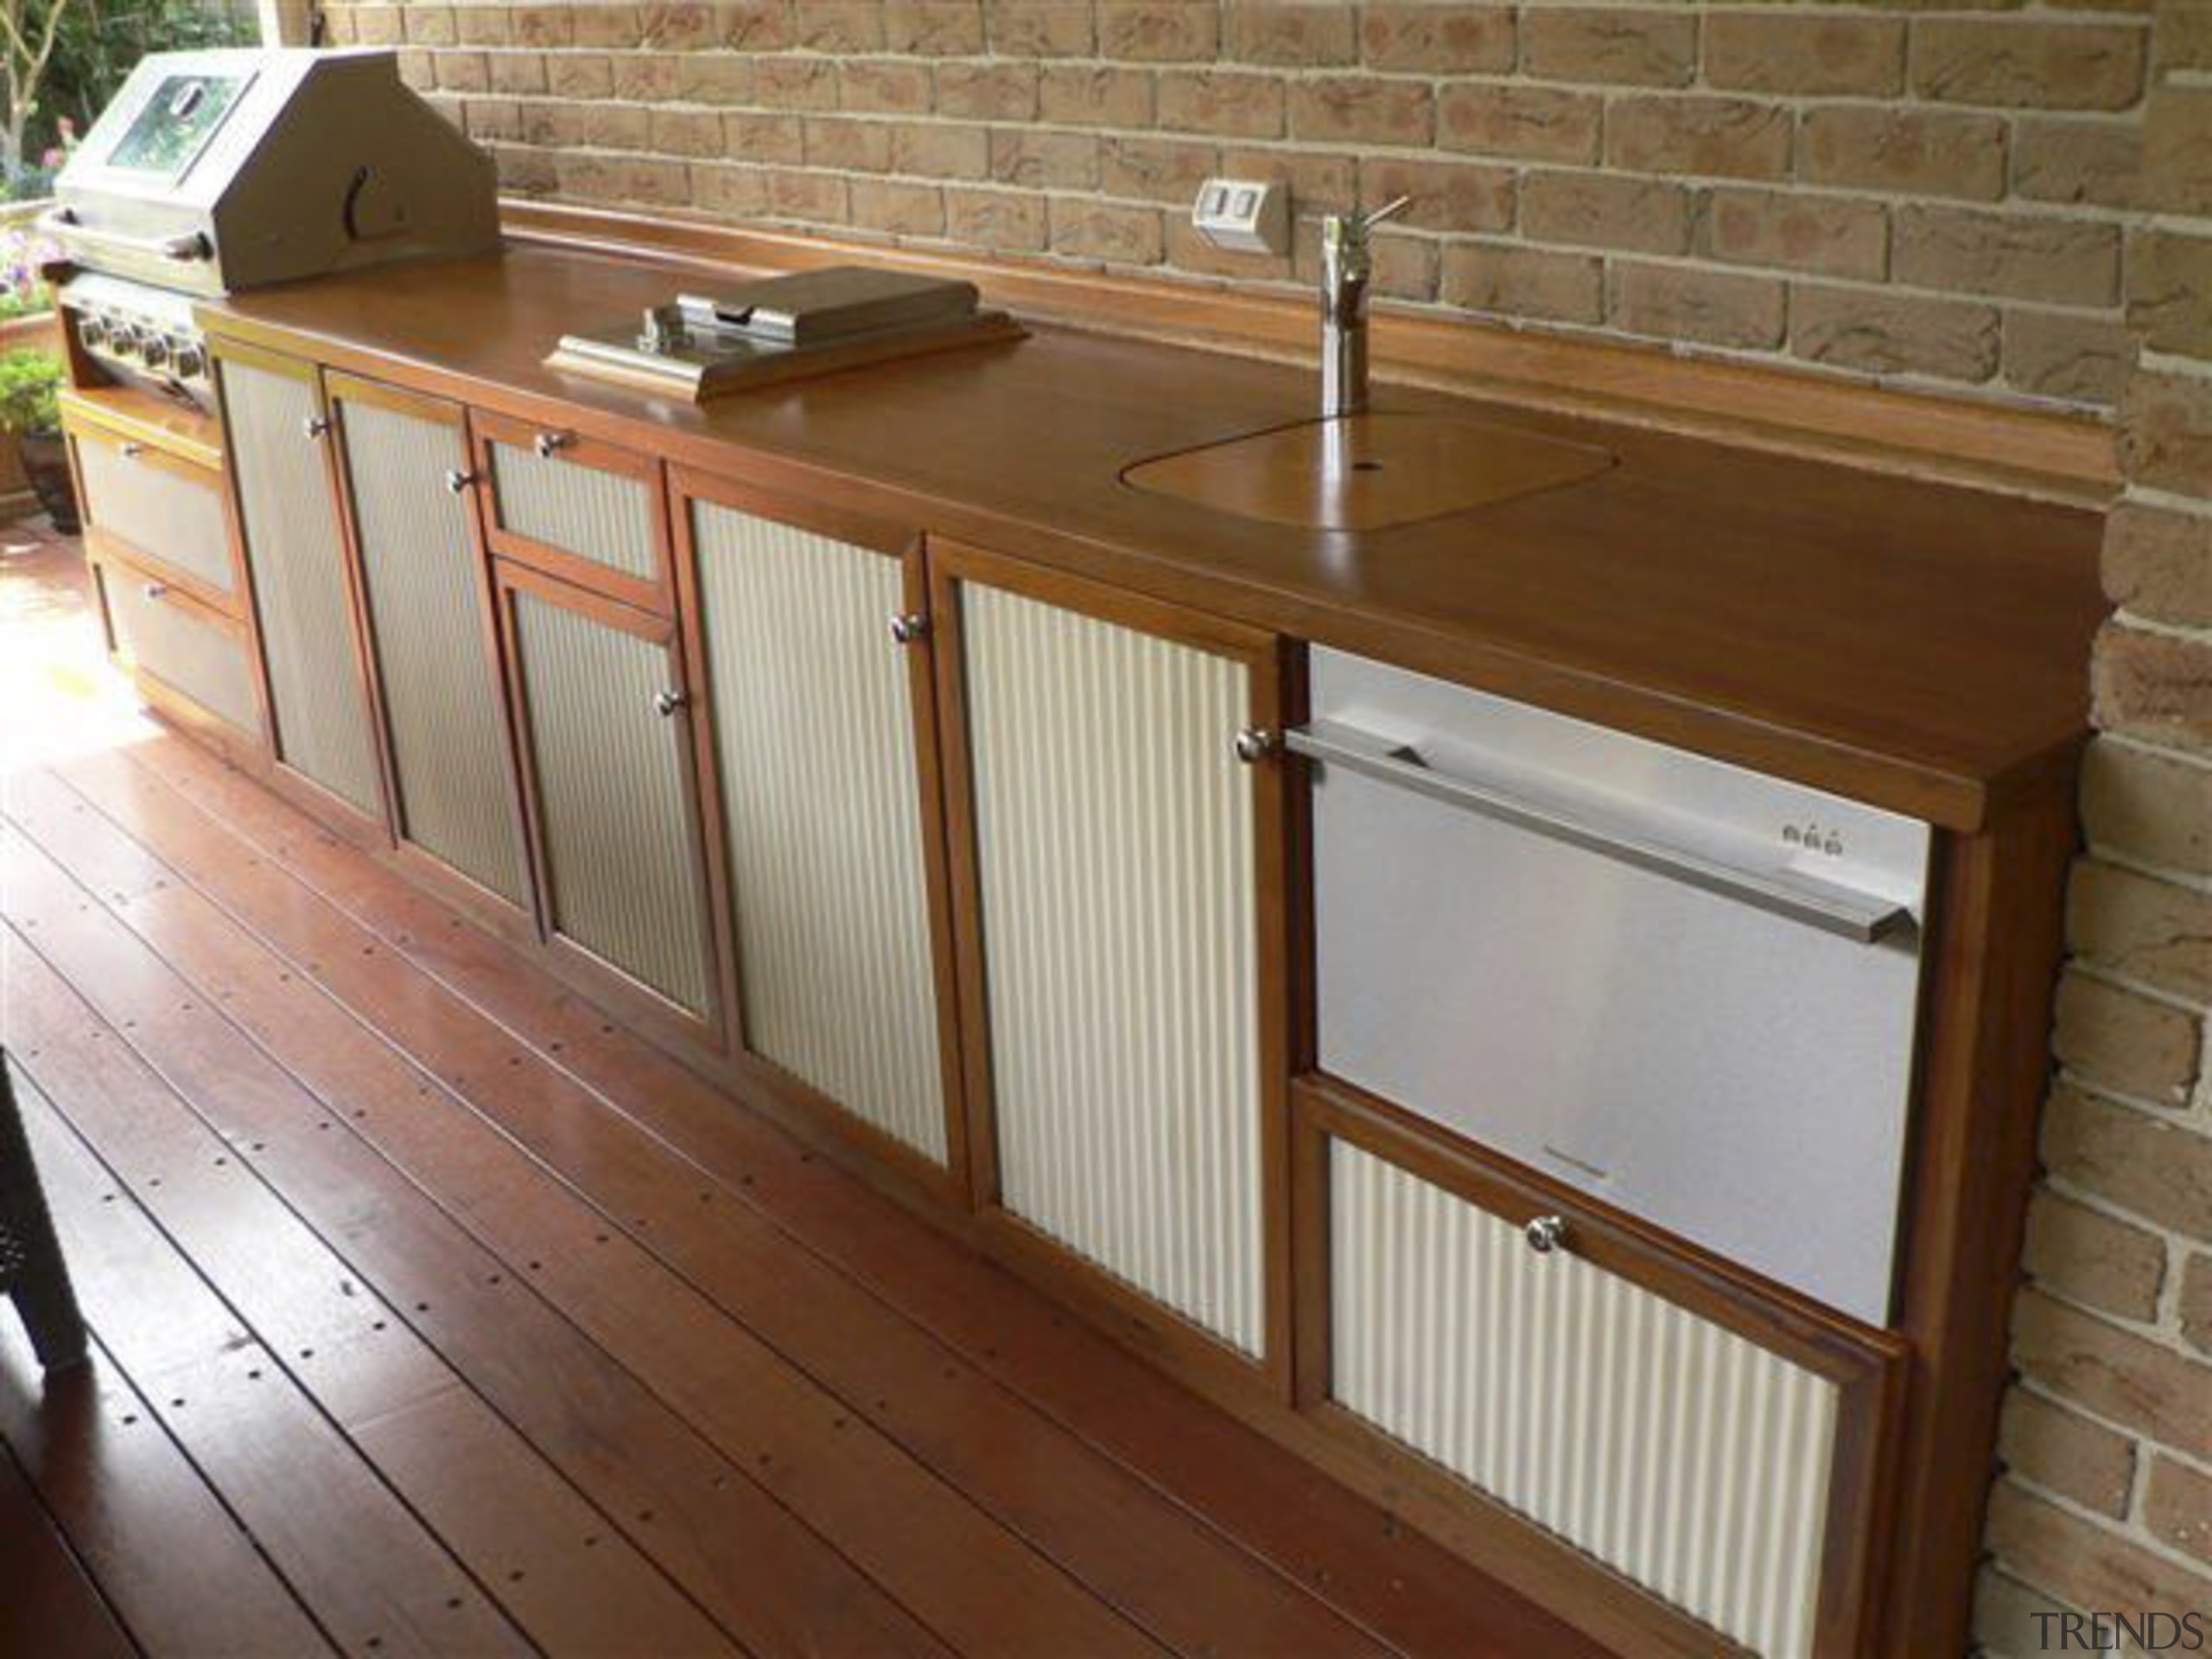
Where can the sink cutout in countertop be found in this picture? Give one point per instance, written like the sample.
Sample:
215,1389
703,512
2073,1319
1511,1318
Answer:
1367,471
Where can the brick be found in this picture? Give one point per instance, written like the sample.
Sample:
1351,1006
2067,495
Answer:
757,25
1539,123
2157,563
1004,219
2056,261
643,79
515,74
527,172
750,135
897,208
719,77
2118,1038
341,28
680,26
551,126
988,91
2125,1378
2059,1449
847,146
1308,33
1155,169
1426,37
2084,359
430,26
733,191
2158,932
2169,289
687,132
1080,95
1527,283
2149,806
2177,1507
487,122
1639,48
822,198
2008,1616
1710,307
940,150
1916,152
1731,137
1829,235
2157,687
1782,52
796,83
462,72
1363,109
1039,159
1189,252
1040,29
544,25
579,75
617,126
2197,1304
1221,101
2087,1565
2093,163
1097,230
1879,333
2182,38
838,26
484,25
935,28
885,86
379,25
1319,182
2024,64
2167,432
1606,211
1446,195
2136,1160
1159,30
617,27
2089,1257
628,178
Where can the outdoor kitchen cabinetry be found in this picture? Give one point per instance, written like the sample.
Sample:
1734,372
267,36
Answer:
809,629
1117,816
276,432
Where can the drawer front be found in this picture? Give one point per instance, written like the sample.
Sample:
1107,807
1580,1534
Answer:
1706,1436
166,509
424,584
586,511
185,648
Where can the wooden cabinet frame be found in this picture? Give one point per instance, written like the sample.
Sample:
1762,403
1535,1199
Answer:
656,594
111,561
366,830
789,1095
639,1003
1151,1326
495,909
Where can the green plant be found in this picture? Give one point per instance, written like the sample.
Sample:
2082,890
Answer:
30,384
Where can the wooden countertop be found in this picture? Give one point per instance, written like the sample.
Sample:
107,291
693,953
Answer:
1918,646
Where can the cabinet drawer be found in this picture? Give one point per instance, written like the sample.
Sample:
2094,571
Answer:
586,511
180,645
167,510
1716,1441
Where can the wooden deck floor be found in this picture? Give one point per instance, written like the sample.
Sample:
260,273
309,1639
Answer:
435,1314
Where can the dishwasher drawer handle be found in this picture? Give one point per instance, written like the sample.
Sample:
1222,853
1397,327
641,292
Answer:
1863,916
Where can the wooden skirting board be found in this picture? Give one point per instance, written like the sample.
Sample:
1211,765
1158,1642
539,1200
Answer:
2046,456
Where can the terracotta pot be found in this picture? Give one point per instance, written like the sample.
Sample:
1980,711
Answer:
46,461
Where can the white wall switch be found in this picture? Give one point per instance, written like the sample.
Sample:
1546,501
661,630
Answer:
1246,214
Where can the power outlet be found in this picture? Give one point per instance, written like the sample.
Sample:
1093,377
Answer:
1247,215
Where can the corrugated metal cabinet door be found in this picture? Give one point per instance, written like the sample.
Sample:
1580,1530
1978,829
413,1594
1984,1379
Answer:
405,462
1126,862
276,436
606,740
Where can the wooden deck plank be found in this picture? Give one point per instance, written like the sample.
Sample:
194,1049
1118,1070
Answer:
1395,1582
566,1575
782,1588
376,1579
980,1587
48,1604
1143,1552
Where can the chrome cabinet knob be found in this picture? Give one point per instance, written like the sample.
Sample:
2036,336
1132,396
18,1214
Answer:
314,427
547,444
665,703
910,628
1255,743
1546,1234
131,450
459,481
155,590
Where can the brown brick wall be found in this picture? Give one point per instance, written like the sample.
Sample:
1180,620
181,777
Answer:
1913,190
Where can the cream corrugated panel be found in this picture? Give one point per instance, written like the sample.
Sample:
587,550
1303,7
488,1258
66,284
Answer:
814,726
1677,1453
158,510
299,581
180,650
448,742
610,781
607,518
1115,832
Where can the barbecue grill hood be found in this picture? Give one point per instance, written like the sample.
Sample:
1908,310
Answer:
217,171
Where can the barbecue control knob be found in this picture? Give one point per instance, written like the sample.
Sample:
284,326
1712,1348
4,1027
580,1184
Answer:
1545,1234
93,331
189,362
156,352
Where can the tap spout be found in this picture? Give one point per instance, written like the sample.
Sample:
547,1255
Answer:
1347,270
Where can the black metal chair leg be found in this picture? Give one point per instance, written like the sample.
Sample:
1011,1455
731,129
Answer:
40,1281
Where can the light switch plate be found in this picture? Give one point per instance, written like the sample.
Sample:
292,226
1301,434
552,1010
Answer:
1247,215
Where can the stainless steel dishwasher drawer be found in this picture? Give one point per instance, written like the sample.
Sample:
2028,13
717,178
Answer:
1684,987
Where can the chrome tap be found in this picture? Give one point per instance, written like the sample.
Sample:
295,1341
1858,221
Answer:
1346,266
